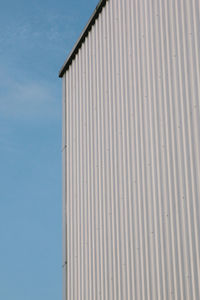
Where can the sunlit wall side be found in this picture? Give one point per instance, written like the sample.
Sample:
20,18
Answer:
131,155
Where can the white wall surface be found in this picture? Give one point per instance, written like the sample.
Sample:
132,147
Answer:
131,147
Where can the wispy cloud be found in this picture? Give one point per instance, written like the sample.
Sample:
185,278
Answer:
30,47
28,99
24,97
23,93
52,31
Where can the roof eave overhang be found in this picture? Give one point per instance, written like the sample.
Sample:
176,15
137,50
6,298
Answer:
81,39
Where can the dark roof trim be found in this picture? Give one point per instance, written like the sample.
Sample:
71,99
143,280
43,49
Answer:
84,34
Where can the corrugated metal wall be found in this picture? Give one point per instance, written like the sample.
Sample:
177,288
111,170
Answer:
131,144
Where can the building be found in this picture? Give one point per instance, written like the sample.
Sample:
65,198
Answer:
131,153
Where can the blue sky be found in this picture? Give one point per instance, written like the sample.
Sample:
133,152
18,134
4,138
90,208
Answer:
35,39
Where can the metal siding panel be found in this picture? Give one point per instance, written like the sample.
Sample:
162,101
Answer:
131,155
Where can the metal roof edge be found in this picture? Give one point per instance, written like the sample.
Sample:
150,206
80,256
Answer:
82,37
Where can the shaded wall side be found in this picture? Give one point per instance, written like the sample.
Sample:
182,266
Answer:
133,154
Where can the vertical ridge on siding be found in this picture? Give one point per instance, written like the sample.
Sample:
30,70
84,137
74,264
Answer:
131,155
64,185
